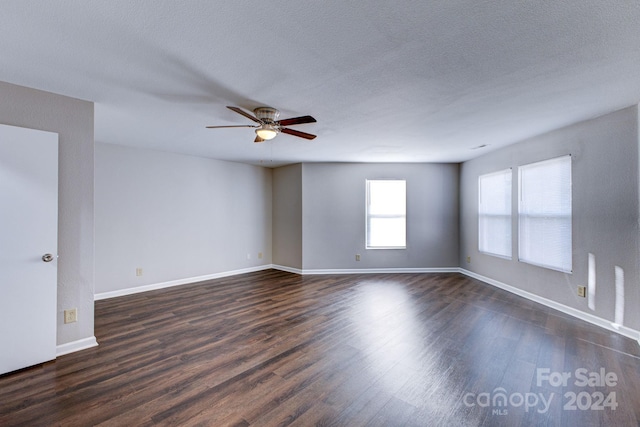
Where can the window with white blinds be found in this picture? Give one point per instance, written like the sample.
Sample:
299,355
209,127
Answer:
494,213
544,214
386,214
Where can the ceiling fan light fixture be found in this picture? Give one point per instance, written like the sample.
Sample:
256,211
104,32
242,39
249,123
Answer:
266,132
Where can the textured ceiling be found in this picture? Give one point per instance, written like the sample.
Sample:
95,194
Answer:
388,81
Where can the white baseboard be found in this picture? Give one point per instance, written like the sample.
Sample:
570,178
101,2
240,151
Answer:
287,269
190,280
186,281
587,317
365,270
74,346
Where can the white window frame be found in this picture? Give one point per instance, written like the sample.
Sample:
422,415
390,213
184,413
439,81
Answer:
545,215
494,214
400,214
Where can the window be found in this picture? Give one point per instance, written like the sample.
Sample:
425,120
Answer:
494,213
386,214
544,214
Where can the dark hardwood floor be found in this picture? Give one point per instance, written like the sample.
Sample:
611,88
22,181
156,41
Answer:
274,349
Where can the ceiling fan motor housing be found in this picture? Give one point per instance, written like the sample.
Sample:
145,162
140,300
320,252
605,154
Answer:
267,114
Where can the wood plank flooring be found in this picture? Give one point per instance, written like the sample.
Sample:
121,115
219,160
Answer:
274,349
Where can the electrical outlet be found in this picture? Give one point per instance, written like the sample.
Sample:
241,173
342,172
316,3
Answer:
582,291
138,271
259,255
357,257
468,259
71,315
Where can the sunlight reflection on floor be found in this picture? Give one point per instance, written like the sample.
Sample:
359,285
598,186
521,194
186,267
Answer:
386,324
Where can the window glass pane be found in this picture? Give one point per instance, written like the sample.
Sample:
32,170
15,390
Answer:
544,214
387,198
387,232
494,213
386,213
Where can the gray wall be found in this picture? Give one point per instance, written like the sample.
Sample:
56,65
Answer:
287,216
333,212
605,213
176,217
72,119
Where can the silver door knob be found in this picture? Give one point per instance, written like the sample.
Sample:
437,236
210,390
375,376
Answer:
47,257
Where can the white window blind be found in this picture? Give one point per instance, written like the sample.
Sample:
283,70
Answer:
494,213
386,214
544,214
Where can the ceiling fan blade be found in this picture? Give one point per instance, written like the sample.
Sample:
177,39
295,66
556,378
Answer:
232,126
244,113
297,121
258,139
297,133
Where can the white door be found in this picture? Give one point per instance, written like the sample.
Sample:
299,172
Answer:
28,233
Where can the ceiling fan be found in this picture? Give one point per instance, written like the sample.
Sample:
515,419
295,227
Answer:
269,126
